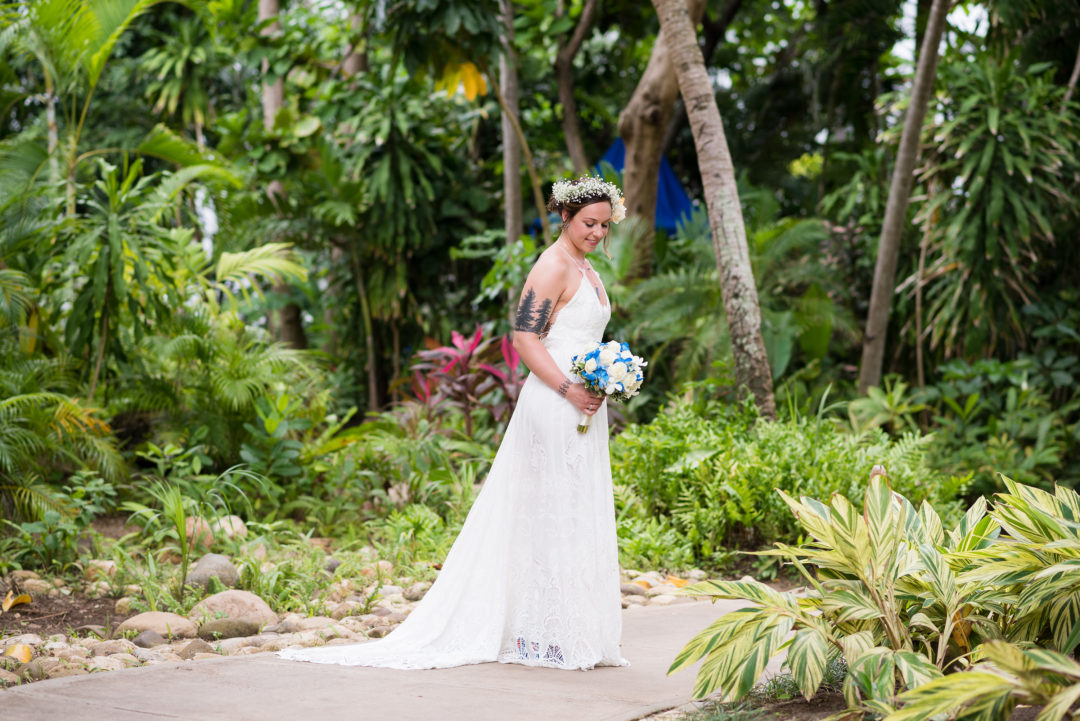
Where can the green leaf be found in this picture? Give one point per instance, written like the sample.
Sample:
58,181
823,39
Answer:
915,668
807,658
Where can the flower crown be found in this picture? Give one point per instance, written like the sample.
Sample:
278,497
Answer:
590,186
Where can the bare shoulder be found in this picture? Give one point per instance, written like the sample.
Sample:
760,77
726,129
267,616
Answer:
544,288
550,266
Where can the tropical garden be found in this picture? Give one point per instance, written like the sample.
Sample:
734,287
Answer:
258,258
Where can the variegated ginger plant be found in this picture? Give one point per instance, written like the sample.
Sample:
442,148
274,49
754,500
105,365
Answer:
883,594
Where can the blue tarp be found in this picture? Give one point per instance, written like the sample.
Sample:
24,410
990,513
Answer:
672,203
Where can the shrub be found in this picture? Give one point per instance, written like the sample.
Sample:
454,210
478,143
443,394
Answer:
711,470
930,623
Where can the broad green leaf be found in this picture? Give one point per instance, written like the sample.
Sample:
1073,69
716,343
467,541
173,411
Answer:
1060,704
850,604
807,658
882,517
970,691
915,668
856,644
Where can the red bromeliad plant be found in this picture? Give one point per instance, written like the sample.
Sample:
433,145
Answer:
463,376
510,380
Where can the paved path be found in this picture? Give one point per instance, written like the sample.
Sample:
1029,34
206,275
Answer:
266,688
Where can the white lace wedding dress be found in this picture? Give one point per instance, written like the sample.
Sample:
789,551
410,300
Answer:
533,577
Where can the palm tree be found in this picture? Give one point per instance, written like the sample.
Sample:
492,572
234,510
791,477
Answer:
877,318
72,41
722,199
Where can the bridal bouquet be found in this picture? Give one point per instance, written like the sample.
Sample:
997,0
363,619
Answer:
609,370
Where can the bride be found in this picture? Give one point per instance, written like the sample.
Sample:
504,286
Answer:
533,577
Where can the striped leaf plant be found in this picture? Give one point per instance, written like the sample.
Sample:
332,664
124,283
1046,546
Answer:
930,623
883,593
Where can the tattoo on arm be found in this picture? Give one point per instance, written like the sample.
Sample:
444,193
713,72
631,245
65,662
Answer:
564,388
532,318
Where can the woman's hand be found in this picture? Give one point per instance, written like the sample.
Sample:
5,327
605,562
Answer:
582,399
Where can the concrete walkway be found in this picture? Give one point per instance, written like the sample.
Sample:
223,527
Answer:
266,688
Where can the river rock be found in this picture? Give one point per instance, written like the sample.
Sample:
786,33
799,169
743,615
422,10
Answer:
195,647
211,565
332,564
72,653
262,639
221,628
416,591
91,630
122,607
379,631
149,639
344,610
37,669
117,645
65,671
632,589
315,622
229,527
230,646
7,678
27,639
661,590
129,659
105,663
97,589
233,604
167,625
287,625
145,655
199,533
99,568
35,586
22,575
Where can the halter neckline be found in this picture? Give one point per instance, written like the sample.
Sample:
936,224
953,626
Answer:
580,267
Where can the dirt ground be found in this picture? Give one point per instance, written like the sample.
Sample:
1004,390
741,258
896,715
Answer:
62,614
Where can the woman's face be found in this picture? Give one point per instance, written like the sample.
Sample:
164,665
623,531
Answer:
587,229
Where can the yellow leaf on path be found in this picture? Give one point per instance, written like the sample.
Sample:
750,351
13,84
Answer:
643,583
677,582
20,651
12,600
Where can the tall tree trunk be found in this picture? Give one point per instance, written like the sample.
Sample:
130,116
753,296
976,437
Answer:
641,125
508,80
273,96
289,326
564,74
714,33
530,164
877,319
53,132
1072,82
369,331
356,60
722,199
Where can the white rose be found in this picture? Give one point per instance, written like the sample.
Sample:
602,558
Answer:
607,357
590,365
626,354
614,346
617,372
611,388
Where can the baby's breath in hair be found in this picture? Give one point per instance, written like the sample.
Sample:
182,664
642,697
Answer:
589,186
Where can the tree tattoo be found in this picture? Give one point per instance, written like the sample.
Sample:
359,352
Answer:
530,317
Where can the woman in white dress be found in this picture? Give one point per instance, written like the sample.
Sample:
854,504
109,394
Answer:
533,577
